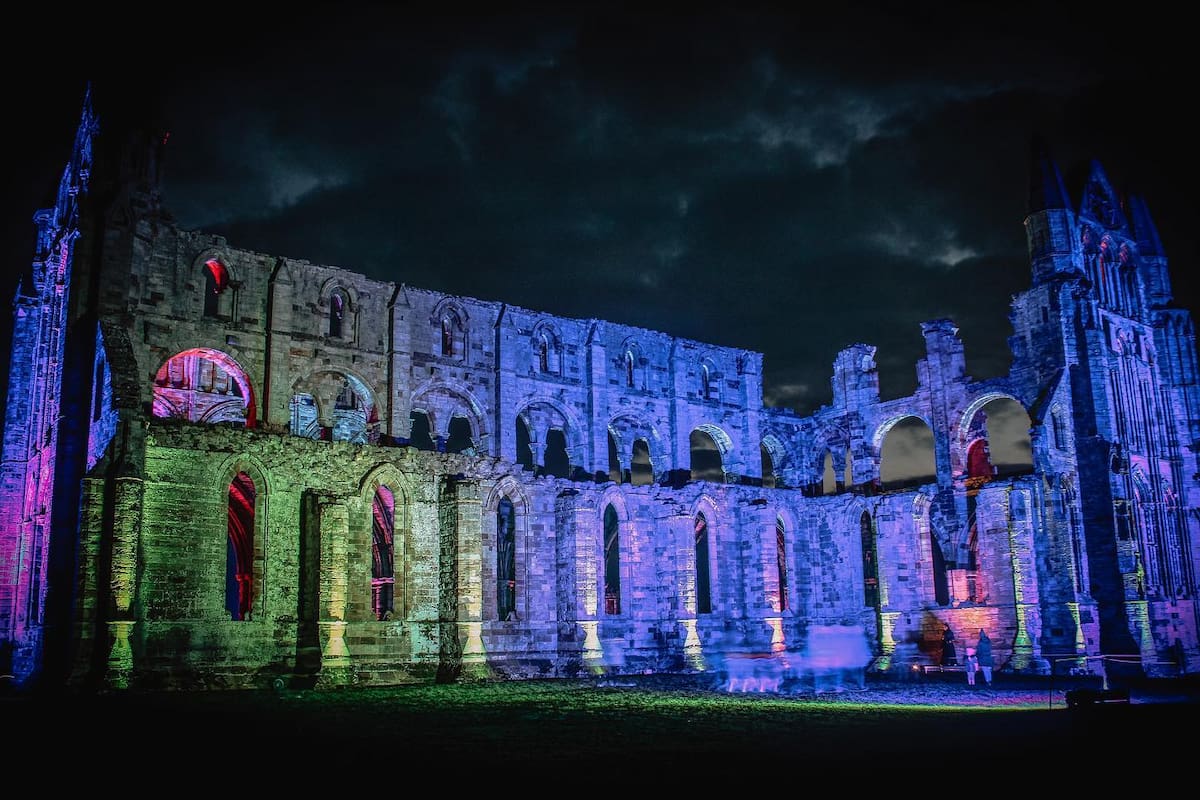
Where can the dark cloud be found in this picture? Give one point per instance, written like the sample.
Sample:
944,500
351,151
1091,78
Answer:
789,183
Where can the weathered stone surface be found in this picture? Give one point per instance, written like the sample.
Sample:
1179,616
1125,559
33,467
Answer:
255,468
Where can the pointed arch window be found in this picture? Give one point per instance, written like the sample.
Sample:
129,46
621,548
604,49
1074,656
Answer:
543,354
612,562
216,281
703,576
337,314
629,368
781,562
447,337
870,560
506,560
239,554
705,382
383,551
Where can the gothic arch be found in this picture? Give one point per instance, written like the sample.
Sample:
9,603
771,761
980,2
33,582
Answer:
400,592
707,508
509,487
225,477
336,283
724,444
633,372
504,567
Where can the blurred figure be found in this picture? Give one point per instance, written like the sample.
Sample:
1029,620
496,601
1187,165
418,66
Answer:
949,654
972,666
983,651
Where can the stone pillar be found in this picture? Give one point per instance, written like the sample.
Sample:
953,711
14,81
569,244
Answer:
1026,651
469,584
127,528
578,553
336,668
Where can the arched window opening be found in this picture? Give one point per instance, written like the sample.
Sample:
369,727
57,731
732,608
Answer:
781,563
1004,425
706,464
543,354
629,368
421,436
337,313
703,576
557,462
612,562
1059,422
460,440
641,469
447,337
383,534
524,451
202,385
705,382
906,458
768,467
239,554
870,563
828,476
216,280
506,560
614,460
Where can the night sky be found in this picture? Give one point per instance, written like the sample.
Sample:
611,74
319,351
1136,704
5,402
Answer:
789,183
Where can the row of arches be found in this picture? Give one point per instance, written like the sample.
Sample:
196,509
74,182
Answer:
206,385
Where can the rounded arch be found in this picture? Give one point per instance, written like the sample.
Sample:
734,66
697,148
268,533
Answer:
780,457
221,256
625,429
963,429
183,387
886,426
709,378
450,306
559,415
546,341
341,397
440,400
1008,447
333,284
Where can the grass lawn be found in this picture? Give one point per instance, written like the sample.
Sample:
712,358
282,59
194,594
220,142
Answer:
585,731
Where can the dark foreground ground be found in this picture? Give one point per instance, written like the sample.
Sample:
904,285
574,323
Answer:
602,736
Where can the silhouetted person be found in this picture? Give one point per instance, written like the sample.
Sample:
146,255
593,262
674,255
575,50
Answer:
983,651
949,654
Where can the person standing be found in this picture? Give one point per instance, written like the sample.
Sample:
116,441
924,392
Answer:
949,654
972,666
983,652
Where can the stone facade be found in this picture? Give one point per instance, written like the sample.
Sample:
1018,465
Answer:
223,468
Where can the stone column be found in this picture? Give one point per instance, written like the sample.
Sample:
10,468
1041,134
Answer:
127,528
336,668
578,555
469,584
